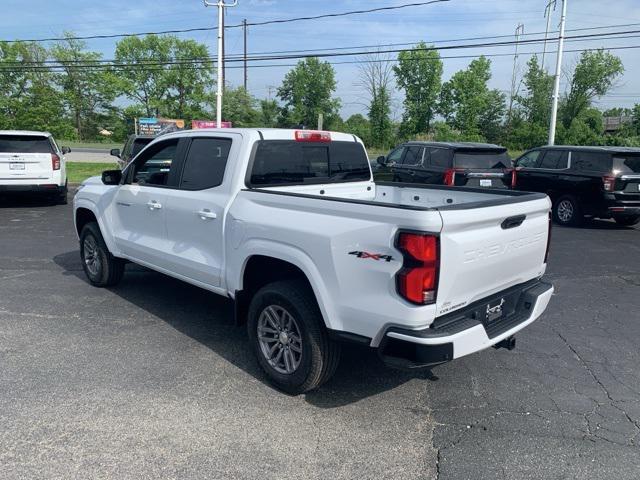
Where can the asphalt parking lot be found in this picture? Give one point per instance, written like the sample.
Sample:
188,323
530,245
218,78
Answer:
151,379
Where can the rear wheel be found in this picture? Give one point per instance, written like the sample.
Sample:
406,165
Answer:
101,268
627,221
289,339
61,198
567,211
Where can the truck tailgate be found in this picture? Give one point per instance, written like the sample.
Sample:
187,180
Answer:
488,249
23,166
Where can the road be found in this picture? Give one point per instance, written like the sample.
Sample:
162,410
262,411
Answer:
151,379
90,155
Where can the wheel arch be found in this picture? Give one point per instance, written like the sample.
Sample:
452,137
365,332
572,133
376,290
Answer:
260,269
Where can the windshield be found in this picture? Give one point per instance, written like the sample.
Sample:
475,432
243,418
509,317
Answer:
24,144
627,163
290,162
481,159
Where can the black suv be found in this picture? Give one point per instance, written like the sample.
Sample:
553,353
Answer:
601,182
442,163
133,146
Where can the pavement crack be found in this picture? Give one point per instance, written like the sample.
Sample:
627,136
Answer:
595,378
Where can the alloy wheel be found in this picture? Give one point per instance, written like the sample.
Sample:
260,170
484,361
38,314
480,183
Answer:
280,339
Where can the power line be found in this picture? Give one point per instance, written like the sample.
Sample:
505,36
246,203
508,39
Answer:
22,66
249,24
174,66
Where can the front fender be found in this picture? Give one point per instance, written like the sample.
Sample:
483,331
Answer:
96,209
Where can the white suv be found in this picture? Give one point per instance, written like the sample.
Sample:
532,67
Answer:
32,162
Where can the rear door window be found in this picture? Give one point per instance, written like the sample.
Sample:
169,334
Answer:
413,156
481,159
285,162
205,163
591,161
529,160
555,160
25,144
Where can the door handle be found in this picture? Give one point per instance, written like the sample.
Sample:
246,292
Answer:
207,214
153,205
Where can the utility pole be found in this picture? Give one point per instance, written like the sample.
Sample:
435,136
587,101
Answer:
519,31
221,6
224,51
547,14
556,84
244,31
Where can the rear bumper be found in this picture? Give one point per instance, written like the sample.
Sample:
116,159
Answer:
42,188
468,330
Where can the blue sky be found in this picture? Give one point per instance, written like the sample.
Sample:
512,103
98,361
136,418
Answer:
457,19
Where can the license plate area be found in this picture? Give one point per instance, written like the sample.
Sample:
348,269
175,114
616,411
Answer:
484,182
17,166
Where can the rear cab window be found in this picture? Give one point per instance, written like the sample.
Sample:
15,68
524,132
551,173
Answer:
481,159
25,144
284,162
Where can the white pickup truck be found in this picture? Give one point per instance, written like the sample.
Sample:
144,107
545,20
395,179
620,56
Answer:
291,226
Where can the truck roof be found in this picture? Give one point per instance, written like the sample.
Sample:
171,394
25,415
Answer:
265,133
25,132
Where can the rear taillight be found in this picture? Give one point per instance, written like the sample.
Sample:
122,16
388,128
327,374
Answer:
546,252
514,178
55,161
417,281
312,136
450,176
609,183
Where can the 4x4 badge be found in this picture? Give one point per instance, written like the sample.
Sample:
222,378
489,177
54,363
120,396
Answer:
372,256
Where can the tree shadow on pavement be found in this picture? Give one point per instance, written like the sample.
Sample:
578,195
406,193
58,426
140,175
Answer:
209,319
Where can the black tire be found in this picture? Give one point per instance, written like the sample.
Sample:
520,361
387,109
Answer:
567,211
61,199
319,354
101,268
627,221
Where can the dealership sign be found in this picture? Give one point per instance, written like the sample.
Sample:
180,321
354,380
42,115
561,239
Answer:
198,124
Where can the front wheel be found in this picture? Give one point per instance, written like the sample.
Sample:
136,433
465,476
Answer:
567,211
287,333
627,221
101,268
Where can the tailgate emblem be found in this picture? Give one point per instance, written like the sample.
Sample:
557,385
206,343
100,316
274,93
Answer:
494,312
373,256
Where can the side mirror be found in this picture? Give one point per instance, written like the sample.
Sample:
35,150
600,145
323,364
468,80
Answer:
115,152
66,150
382,160
111,177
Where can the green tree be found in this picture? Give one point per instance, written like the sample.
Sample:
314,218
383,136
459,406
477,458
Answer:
28,97
360,126
173,77
239,108
88,93
306,92
268,114
535,104
419,74
466,101
376,77
594,75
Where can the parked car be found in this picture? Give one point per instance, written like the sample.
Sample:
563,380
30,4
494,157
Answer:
446,163
133,146
602,182
290,225
33,162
